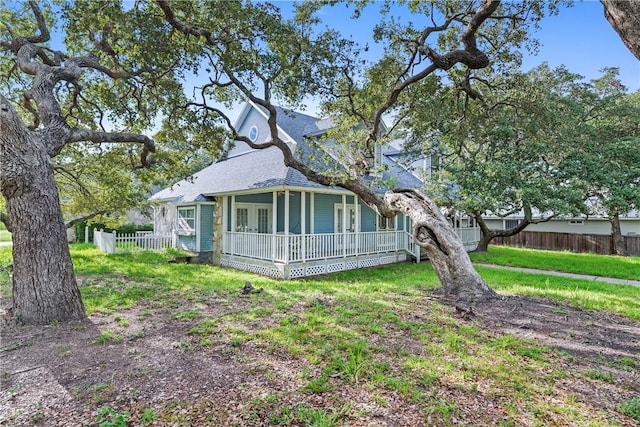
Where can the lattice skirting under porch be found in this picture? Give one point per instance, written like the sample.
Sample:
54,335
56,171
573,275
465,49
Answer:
312,268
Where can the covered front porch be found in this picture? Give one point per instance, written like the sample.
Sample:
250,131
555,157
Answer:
290,256
296,233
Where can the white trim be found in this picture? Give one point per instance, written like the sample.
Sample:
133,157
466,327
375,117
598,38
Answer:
274,223
287,206
252,216
346,208
279,128
278,188
233,213
303,221
225,214
312,206
198,226
183,230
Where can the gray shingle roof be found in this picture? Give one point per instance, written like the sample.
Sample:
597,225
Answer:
261,169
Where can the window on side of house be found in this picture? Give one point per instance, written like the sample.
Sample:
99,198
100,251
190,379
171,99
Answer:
576,222
386,224
187,218
510,223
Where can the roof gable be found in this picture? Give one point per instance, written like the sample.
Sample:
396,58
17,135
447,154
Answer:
247,169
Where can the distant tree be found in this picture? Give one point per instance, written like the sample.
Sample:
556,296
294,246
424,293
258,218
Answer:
607,162
52,100
501,156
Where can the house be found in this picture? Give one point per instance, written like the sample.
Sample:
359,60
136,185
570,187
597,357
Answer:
251,212
593,224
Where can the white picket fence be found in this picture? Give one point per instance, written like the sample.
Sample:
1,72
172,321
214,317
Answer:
141,240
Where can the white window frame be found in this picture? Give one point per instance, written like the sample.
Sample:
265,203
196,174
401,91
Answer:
337,216
251,131
252,220
390,224
183,222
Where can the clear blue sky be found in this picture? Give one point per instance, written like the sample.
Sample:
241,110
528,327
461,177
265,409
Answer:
580,37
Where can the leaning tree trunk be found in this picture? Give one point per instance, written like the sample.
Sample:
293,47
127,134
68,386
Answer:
624,17
618,244
44,284
432,231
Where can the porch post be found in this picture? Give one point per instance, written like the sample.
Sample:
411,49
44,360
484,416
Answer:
274,225
286,226
198,223
357,223
344,225
303,224
232,248
233,213
312,206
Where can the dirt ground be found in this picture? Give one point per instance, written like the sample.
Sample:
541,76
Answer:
59,376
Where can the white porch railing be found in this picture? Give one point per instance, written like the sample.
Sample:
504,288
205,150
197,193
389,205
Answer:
141,240
309,247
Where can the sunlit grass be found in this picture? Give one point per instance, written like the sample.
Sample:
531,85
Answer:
5,236
580,263
374,328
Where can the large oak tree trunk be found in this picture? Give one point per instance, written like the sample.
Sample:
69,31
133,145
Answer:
432,231
44,284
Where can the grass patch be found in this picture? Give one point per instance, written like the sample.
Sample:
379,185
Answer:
579,293
5,236
370,329
632,408
569,262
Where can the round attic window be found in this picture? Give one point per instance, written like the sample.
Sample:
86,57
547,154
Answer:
253,133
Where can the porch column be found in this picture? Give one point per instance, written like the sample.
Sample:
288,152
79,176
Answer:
312,214
286,226
303,224
274,225
232,246
198,224
233,214
344,225
357,223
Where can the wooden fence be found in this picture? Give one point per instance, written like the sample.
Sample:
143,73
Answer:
595,243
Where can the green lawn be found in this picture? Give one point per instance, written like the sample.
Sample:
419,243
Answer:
596,265
375,331
5,236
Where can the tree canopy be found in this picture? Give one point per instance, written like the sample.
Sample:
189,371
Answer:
122,69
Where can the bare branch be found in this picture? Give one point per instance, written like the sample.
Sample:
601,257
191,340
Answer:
42,26
83,218
77,135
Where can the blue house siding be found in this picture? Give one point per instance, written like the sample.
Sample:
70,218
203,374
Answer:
295,226
254,118
255,198
187,243
368,218
324,207
206,228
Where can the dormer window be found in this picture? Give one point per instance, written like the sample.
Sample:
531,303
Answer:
253,133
